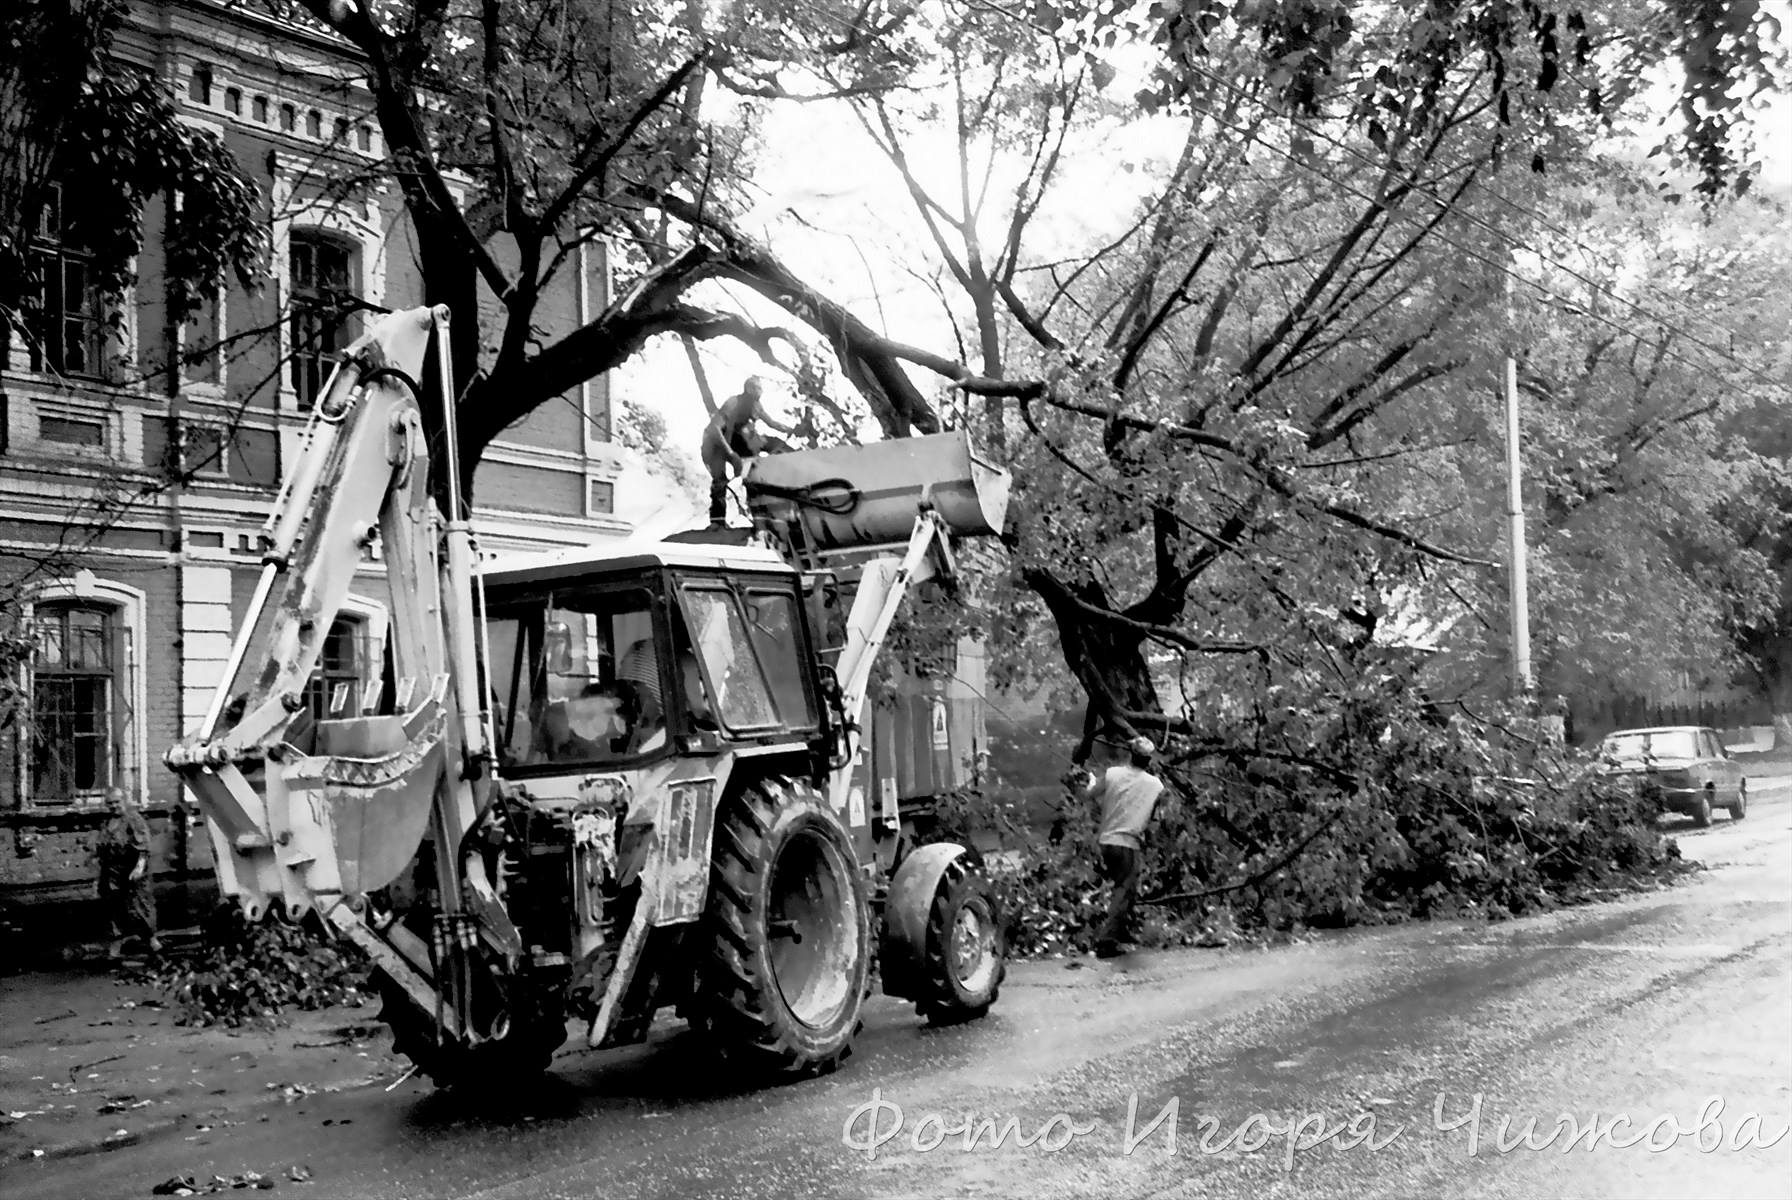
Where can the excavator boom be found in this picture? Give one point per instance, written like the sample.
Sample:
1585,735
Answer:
307,807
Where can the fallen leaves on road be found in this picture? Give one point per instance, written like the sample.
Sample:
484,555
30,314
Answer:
189,1185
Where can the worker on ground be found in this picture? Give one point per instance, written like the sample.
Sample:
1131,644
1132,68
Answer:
730,439
1128,794
124,875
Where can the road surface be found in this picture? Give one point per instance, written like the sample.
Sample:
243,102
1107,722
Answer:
1403,1062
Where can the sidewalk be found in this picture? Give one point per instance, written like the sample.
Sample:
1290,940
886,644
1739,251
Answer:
90,1063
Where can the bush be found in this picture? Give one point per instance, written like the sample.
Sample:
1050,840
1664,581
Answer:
250,974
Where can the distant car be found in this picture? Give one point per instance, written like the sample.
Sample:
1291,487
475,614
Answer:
1688,762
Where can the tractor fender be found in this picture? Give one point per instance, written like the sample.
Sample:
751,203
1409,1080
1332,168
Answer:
906,910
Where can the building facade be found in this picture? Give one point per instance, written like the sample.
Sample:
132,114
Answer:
139,456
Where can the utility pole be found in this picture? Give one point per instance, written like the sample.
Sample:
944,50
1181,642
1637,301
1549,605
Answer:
1521,618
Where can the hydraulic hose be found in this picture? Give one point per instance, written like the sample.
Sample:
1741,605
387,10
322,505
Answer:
840,497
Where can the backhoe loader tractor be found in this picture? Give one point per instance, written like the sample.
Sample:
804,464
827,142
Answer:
601,783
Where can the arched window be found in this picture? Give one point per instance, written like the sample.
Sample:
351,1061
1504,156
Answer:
81,735
353,673
322,292
335,687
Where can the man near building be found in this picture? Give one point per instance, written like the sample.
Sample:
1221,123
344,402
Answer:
730,439
124,874
1128,795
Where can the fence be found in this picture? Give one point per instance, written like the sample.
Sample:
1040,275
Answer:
1593,719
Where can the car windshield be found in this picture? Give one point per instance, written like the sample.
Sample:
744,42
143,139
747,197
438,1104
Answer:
1661,743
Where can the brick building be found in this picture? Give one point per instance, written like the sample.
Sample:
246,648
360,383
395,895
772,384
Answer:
134,609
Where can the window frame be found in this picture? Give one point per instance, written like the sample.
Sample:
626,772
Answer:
324,680
49,249
368,623
126,606
537,601
799,645
312,303
737,588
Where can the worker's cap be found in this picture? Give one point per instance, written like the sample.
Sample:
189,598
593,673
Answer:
1142,745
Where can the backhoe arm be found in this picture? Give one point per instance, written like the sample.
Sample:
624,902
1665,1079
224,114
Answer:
304,810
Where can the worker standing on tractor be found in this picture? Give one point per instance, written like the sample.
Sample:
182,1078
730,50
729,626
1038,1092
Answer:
730,439
1128,794
124,875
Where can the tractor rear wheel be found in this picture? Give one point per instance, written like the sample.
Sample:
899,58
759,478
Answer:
789,931
524,1052
966,952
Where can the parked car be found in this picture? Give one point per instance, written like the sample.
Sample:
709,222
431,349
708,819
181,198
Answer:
1687,762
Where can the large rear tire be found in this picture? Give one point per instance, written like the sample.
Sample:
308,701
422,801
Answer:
790,933
524,1052
966,956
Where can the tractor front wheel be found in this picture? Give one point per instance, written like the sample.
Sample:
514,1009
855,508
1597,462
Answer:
966,953
789,931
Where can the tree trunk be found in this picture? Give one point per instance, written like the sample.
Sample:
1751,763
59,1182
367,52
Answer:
1106,658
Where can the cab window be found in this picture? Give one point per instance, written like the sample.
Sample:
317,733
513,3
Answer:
772,625
719,634
576,679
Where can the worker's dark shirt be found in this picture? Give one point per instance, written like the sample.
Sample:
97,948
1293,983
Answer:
730,426
123,841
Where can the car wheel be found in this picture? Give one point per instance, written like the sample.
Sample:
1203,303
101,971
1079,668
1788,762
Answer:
1701,811
1739,809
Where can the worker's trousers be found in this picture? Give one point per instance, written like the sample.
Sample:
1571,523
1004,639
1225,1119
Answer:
1120,867
717,466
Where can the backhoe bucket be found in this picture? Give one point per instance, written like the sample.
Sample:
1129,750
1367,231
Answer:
848,497
342,815
377,779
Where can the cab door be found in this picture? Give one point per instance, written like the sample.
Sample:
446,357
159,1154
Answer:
749,644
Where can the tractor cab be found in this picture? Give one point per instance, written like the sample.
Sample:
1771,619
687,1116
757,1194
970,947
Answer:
606,660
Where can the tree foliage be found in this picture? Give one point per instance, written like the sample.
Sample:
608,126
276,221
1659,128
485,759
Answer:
106,134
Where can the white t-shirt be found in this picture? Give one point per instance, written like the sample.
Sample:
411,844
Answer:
1127,794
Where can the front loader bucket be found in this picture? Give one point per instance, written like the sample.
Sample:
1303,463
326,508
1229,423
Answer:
848,497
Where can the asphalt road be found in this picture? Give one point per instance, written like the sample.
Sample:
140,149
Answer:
1382,1063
